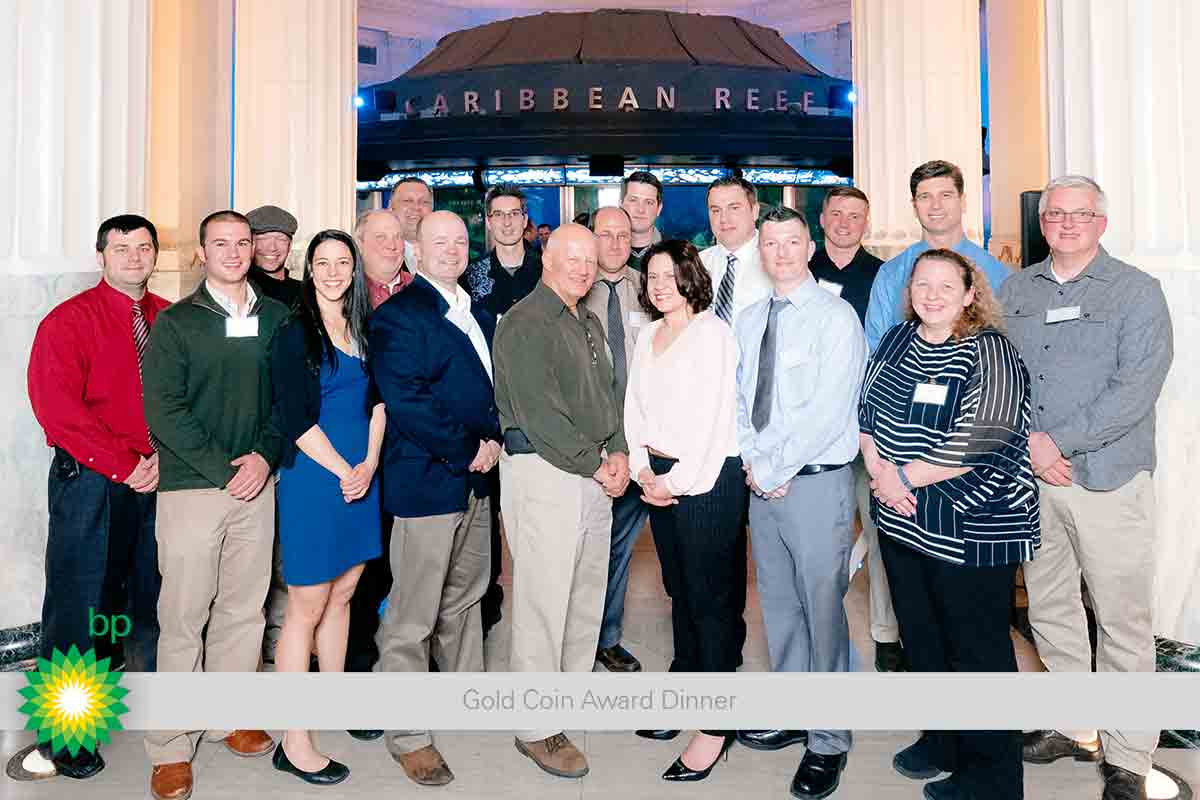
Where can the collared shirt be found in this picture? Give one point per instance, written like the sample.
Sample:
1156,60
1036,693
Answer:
379,292
497,289
1097,373
459,314
750,282
852,282
554,382
819,358
84,383
888,292
635,319
227,303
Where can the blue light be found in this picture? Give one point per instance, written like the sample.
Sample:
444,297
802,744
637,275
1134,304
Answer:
358,101
852,97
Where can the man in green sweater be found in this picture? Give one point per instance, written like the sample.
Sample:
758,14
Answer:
207,395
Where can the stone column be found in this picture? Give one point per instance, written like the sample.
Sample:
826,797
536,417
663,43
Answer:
1120,78
1018,105
73,83
916,72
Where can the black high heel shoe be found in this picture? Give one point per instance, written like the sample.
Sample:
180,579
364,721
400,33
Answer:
682,772
331,773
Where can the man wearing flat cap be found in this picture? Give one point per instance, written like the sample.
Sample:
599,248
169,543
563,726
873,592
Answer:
273,229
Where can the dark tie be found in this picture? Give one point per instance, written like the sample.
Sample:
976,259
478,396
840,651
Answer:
724,307
616,335
141,332
764,387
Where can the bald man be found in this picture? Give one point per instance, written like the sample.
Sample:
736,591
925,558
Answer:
564,459
431,359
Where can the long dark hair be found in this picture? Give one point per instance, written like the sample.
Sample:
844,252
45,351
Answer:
356,306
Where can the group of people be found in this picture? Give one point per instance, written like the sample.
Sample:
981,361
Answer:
359,434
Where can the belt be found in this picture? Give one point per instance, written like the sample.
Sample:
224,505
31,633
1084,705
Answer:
516,443
813,469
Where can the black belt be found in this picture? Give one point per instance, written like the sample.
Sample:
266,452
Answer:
813,469
516,443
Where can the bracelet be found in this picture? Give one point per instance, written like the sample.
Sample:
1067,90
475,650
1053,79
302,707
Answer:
904,479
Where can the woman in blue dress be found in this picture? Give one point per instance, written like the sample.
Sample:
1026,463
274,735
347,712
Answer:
329,522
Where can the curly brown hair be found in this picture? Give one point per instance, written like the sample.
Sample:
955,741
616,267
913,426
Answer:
691,278
984,311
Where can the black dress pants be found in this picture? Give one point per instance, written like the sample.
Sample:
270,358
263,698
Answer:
697,542
956,619
493,598
373,587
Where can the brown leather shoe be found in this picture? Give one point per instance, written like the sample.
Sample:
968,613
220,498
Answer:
249,744
425,767
556,755
171,781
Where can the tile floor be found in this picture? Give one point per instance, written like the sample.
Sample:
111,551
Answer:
622,766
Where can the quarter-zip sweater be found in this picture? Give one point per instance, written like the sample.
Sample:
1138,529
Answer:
208,394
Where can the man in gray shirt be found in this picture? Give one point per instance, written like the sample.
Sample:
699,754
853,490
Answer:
1095,334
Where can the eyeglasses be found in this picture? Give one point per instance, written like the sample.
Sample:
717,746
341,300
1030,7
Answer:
1083,217
591,344
507,215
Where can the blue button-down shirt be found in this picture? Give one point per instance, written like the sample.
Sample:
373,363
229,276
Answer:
820,356
888,290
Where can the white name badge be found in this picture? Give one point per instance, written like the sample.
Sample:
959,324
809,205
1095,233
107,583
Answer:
834,289
932,393
638,318
241,327
1063,314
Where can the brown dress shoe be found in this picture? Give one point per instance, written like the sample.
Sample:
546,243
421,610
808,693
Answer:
425,767
171,781
556,755
249,744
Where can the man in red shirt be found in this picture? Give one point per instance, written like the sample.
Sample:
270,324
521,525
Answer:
380,239
85,386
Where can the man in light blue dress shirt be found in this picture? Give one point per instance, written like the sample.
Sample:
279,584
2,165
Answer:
937,198
801,359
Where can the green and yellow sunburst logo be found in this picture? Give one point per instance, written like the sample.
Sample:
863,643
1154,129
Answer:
73,701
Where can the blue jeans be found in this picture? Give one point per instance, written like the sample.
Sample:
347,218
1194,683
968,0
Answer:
628,516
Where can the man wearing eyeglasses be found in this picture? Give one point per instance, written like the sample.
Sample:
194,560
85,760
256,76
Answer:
1095,335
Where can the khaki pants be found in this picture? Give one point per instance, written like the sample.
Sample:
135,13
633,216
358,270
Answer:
884,627
1108,538
213,551
558,527
441,566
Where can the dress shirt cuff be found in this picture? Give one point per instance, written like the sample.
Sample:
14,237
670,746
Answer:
1068,443
766,478
639,459
116,466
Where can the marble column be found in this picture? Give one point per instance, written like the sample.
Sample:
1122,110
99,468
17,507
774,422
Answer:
916,72
74,86
1120,79
1018,110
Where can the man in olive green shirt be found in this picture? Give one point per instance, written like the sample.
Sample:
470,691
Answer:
564,459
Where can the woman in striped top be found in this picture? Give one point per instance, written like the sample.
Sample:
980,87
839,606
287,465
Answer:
944,421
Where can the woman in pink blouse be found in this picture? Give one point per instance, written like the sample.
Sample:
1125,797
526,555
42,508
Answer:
680,408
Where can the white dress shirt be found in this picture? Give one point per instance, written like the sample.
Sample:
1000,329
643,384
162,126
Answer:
750,282
460,315
683,402
226,302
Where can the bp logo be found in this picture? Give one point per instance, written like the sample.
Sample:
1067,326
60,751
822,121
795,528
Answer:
73,701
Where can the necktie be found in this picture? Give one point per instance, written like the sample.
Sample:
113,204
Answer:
141,332
616,336
764,387
724,307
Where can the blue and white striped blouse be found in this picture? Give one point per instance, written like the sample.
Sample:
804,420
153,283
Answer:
990,515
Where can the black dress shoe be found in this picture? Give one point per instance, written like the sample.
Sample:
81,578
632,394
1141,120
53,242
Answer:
331,773
1121,784
365,736
945,789
618,659
680,772
916,761
817,776
1045,747
771,740
81,766
664,735
889,657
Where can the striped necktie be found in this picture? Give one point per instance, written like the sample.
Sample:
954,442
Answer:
724,305
141,333
616,336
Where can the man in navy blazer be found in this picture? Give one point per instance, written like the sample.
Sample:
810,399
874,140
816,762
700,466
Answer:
431,360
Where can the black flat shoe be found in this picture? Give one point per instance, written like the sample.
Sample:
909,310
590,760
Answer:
817,776
945,789
365,736
771,740
680,772
916,762
81,766
663,735
331,773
